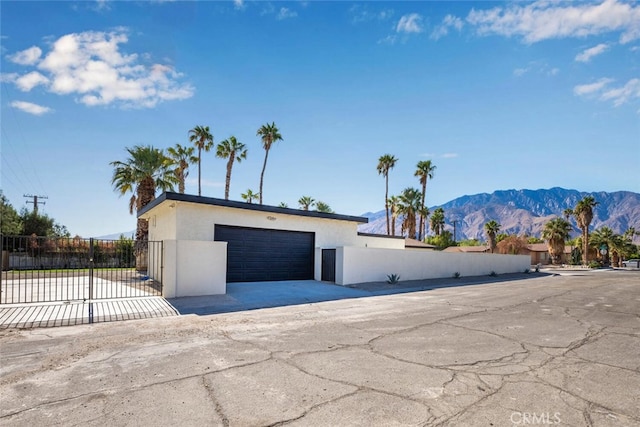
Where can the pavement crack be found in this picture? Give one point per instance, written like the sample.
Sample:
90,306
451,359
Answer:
217,406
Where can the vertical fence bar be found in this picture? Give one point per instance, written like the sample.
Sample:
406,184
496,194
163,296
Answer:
91,280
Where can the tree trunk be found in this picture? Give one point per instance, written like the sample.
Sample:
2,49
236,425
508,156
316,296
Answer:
422,219
228,180
199,171
264,166
386,201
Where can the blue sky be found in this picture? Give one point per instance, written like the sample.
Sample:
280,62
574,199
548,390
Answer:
497,95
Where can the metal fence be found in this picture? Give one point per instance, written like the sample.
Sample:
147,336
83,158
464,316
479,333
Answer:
44,269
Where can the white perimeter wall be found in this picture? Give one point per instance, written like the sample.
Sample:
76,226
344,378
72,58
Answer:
380,242
194,267
360,265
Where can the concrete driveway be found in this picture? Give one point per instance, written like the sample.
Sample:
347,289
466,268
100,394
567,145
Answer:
554,350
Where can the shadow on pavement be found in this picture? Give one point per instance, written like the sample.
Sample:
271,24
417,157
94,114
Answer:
257,295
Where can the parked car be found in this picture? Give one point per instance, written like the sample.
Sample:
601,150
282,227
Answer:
631,263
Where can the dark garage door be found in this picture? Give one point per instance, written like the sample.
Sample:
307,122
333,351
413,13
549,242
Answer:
256,254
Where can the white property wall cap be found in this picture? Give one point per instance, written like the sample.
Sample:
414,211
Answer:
177,197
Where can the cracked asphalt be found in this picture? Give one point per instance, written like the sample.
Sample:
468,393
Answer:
554,350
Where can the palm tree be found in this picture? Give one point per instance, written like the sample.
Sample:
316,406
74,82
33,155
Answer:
283,205
269,134
409,207
492,228
583,213
249,196
323,207
556,232
568,212
306,202
394,203
182,157
385,164
424,170
607,239
233,150
203,140
437,221
145,170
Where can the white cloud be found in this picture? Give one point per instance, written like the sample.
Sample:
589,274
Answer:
520,71
92,66
239,4
587,54
30,108
26,57
29,81
449,155
411,23
286,13
448,22
590,88
624,94
390,39
361,13
8,77
544,20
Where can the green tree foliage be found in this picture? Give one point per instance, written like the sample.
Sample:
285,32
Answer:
425,170
409,207
232,150
249,196
10,221
306,202
182,157
556,232
268,133
492,228
40,225
386,162
145,170
470,242
437,221
583,212
201,137
323,207
442,240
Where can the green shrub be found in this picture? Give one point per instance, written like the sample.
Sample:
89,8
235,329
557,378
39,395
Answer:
456,275
493,274
392,279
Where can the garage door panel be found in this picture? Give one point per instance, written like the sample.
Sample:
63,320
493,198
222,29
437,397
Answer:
262,254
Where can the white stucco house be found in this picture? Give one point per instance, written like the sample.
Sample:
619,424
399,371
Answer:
208,242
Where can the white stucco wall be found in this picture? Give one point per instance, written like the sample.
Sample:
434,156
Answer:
380,242
360,265
193,268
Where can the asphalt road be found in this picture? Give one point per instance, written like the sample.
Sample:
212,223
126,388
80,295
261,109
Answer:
554,350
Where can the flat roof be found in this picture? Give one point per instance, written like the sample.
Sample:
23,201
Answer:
211,201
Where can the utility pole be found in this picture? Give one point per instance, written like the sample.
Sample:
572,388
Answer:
35,201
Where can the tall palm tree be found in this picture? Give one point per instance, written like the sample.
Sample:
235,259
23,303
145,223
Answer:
323,207
203,140
437,221
409,207
233,150
583,213
269,134
145,170
492,228
394,203
182,157
425,171
556,232
249,196
306,202
385,164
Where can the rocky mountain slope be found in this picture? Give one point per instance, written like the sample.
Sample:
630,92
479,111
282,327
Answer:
525,212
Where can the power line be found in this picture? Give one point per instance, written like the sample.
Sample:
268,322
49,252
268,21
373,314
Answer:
24,144
35,201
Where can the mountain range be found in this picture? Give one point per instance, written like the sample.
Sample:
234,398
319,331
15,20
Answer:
524,212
